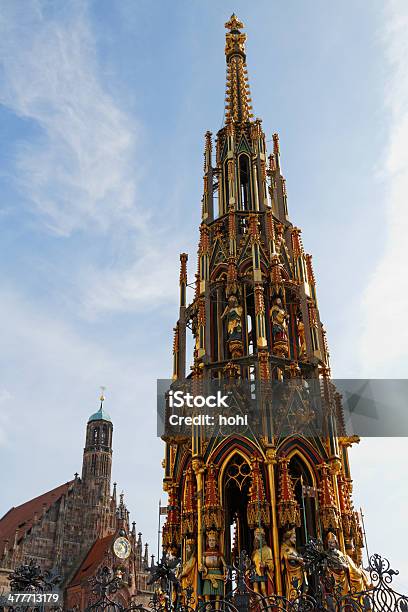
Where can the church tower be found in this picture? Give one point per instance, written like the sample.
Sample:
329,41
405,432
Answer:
254,318
97,462
96,472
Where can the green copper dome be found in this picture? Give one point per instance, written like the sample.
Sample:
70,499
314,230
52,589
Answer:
101,415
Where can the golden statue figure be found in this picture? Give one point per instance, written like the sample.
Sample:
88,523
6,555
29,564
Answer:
349,577
337,565
214,570
262,558
302,339
279,328
188,571
292,565
233,313
359,579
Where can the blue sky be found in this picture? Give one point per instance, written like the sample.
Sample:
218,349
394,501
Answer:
104,106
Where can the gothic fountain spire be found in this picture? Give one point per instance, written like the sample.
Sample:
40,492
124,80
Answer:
254,318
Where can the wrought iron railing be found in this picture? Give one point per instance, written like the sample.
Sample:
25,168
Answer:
321,594
32,590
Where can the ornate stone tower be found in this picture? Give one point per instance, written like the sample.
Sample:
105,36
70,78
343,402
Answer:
97,463
96,472
254,318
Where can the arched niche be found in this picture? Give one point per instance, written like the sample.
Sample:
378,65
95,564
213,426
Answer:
306,492
244,174
234,485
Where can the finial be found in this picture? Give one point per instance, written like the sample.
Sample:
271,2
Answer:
235,40
238,99
102,397
234,23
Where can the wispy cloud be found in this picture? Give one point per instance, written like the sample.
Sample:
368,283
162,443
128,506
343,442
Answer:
81,171
384,308
384,347
150,280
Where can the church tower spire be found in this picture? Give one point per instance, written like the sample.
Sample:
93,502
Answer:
255,319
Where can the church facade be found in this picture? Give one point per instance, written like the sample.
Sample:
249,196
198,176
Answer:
72,528
255,319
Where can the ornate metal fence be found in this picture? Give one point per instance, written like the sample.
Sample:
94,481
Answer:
32,590
322,594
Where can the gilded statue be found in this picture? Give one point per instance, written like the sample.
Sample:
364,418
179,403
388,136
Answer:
337,565
279,328
302,339
214,570
292,565
359,579
233,314
188,571
262,558
349,577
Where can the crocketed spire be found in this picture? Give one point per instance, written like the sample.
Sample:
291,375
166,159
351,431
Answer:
238,98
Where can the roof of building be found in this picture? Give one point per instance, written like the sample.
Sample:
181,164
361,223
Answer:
22,517
92,560
101,415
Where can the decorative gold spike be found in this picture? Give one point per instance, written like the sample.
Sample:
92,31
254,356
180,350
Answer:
234,23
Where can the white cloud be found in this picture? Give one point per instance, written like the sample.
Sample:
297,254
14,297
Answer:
384,347
149,281
80,172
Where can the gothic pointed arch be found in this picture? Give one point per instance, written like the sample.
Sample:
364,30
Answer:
218,450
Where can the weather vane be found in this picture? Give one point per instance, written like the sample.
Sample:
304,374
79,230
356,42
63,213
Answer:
102,398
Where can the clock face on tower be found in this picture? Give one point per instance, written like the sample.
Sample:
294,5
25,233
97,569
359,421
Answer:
122,548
